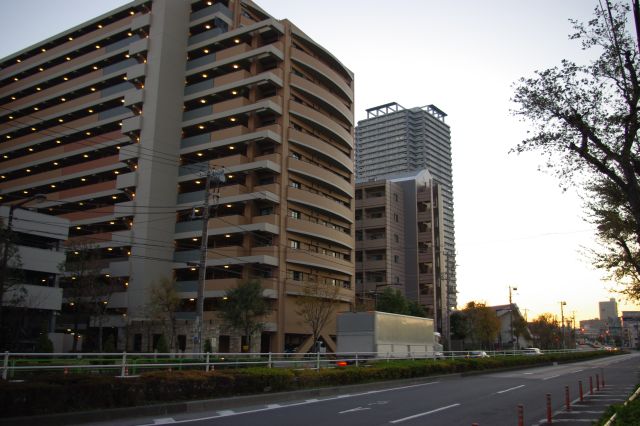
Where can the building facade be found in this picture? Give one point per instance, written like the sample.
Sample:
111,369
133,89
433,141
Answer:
399,241
393,139
31,295
119,120
631,329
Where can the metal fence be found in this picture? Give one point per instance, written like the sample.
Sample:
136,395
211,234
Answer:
16,366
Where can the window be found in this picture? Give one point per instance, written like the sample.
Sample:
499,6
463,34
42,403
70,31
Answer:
395,217
294,244
396,238
396,259
295,184
296,275
295,155
295,214
395,196
264,211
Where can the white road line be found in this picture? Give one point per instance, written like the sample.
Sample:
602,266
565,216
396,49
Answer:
274,405
510,389
552,377
163,421
424,414
224,413
354,409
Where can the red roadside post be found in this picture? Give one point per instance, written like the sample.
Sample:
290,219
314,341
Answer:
590,385
520,415
567,399
597,382
580,388
549,408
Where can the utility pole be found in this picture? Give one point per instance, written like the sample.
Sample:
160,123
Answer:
562,319
513,339
214,177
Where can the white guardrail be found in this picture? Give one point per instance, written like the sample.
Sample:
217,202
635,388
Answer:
17,365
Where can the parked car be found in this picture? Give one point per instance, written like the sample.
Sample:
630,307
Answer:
477,354
531,351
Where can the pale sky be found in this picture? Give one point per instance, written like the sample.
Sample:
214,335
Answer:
514,226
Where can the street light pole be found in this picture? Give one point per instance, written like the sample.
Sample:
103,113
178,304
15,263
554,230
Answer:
5,257
562,319
513,340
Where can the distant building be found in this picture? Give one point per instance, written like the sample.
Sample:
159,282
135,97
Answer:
32,299
631,329
393,139
399,241
593,330
609,311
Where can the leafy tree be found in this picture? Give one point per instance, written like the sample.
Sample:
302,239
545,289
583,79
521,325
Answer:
546,331
459,325
483,324
44,344
161,345
244,308
316,305
415,309
392,301
585,120
162,306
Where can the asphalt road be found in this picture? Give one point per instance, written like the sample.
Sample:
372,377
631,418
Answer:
486,399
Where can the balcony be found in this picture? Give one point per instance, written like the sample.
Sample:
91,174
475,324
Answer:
321,148
321,202
323,175
317,230
318,118
318,260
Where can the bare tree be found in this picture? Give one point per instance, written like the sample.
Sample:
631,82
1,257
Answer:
316,305
85,289
162,306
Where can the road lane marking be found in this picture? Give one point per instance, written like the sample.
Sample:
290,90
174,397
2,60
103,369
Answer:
163,421
510,389
354,410
274,405
415,416
551,377
225,413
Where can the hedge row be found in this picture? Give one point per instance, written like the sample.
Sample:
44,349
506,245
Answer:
55,393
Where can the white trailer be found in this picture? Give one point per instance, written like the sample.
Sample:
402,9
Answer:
381,334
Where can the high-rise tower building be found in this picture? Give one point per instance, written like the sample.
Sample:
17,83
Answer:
118,121
393,139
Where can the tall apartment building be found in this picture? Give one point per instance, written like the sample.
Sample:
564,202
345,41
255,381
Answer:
399,241
393,139
118,120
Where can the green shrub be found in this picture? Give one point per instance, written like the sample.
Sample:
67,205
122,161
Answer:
44,344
